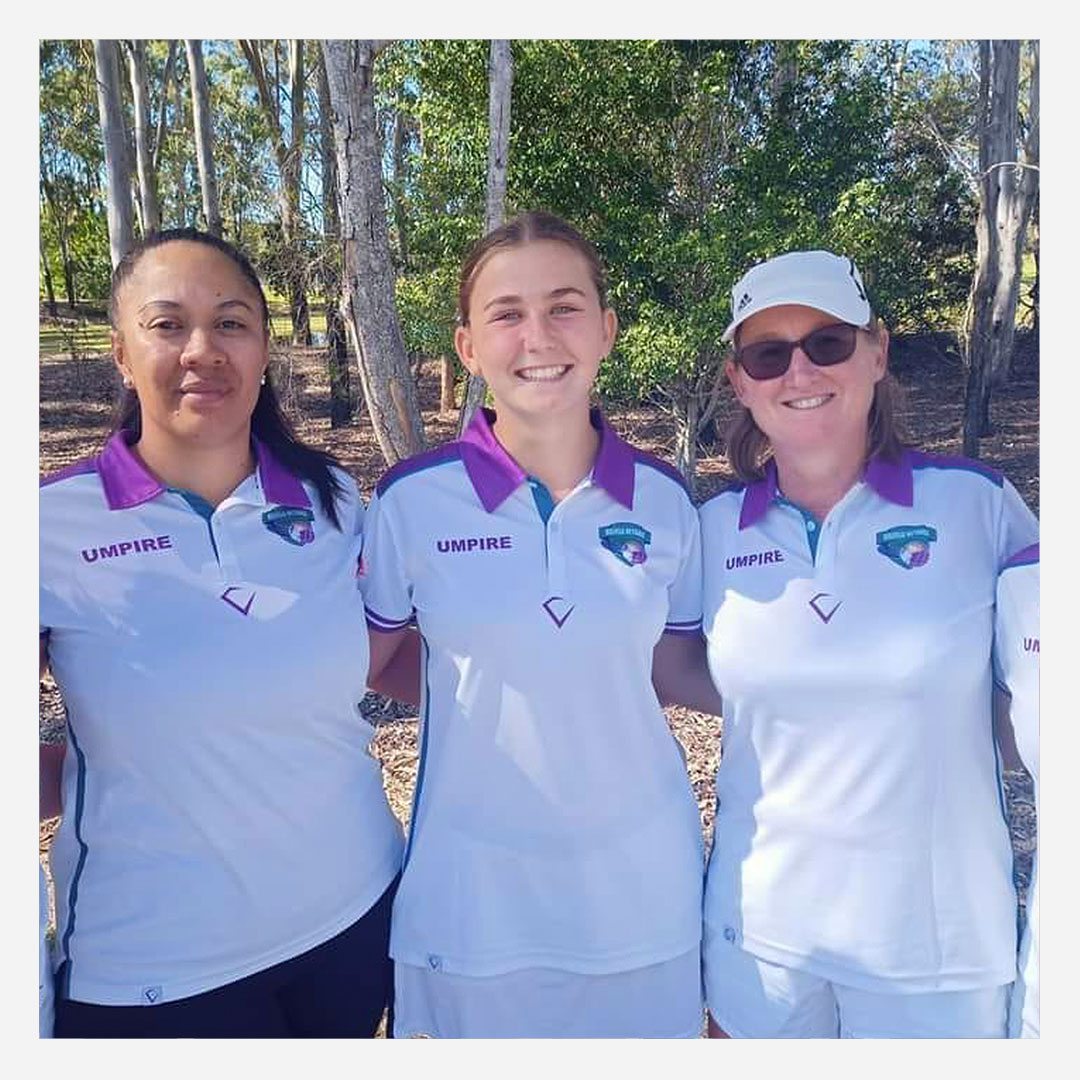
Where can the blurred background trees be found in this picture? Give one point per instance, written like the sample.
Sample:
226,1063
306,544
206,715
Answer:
685,162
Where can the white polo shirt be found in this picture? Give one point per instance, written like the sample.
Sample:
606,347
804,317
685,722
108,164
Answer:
221,810
860,831
1016,668
553,824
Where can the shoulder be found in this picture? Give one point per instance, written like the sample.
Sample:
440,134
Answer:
957,465
1028,556
660,475
85,467
724,501
419,463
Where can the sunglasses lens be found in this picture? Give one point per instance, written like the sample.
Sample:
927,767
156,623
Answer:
830,344
765,359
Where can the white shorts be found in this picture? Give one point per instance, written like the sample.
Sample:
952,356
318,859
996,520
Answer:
752,999
662,1001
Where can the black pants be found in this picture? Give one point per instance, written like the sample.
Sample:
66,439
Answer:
339,989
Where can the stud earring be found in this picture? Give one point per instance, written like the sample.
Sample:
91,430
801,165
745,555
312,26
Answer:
128,383
262,381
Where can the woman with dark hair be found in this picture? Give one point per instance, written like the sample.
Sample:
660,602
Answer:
861,880
227,858
552,880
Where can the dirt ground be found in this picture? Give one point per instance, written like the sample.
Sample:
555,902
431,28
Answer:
75,405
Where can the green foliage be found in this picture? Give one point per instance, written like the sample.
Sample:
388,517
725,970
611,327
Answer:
426,305
684,161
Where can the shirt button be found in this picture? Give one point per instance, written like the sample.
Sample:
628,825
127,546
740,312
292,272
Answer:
729,934
811,525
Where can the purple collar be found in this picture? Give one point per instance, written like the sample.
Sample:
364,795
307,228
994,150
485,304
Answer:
495,474
891,480
127,481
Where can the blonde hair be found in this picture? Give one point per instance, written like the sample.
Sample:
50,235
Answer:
748,447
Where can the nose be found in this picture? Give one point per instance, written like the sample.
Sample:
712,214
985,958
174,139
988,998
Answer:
201,348
802,367
536,332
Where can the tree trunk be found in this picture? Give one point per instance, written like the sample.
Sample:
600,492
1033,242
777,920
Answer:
288,158
166,79
500,82
686,434
117,176
401,224
49,291
298,305
446,385
337,355
61,237
148,197
204,135
369,304
1006,197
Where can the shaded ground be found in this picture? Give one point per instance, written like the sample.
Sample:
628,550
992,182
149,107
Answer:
75,407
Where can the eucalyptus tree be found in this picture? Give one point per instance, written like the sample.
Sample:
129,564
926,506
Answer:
1007,185
337,358
114,141
288,153
149,208
204,135
500,90
369,301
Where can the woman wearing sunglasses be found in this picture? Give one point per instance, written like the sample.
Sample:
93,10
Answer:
860,884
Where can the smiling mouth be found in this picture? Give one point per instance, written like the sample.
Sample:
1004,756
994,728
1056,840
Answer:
543,374
809,402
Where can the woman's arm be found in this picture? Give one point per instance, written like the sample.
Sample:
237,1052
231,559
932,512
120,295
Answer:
680,673
394,664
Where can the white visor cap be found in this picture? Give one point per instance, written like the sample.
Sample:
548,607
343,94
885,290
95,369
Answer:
815,279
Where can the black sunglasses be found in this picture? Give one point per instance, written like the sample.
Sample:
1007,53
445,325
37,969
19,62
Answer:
825,346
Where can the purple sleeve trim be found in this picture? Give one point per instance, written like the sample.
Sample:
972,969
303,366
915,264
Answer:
683,628
1025,557
439,456
380,622
79,468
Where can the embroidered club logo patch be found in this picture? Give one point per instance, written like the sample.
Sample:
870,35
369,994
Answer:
291,523
907,545
626,541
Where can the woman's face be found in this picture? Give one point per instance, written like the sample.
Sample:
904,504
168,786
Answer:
191,341
536,330
810,408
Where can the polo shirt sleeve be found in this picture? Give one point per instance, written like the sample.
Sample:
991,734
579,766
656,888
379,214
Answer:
1018,527
684,592
385,586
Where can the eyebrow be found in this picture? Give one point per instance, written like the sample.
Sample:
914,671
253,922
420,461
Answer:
513,298
172,304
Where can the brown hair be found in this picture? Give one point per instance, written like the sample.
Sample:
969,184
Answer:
748,446
527,227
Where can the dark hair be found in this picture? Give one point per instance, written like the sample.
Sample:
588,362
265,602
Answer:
526,228
269,424
748,446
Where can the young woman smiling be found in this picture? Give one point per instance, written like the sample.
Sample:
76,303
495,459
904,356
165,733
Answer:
552,878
